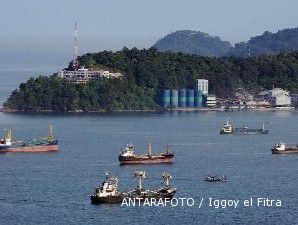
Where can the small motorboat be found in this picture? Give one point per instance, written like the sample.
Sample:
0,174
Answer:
216,179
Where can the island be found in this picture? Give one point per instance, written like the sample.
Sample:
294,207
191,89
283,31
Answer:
145,73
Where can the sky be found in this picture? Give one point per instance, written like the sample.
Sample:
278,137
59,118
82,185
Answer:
47,25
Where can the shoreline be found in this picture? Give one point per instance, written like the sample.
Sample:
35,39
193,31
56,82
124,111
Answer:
159,110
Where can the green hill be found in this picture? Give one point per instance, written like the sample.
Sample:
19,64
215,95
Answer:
268,43
193,42
202,44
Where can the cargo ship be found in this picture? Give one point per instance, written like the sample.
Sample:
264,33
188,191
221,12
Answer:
108,192
128,156
228,128
44,144
282,148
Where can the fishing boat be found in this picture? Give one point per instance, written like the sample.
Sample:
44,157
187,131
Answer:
44,144
282,148
128,156
108,191
227,128
216,179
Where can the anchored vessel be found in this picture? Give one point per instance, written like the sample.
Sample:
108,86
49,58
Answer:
228,128
282,148
44,144
216,179
108,192
128,156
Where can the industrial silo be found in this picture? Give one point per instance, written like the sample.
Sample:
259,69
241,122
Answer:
190,98
174,98
182,98
166,98
198,98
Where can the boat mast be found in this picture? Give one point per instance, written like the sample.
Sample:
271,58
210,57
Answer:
141,175
167,177
51,136
8,134
227,123
167,148
149,149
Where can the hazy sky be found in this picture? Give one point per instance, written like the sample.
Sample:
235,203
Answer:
111,24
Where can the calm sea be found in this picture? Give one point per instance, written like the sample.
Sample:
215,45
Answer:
54,188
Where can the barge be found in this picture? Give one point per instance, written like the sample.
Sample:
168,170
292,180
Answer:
44,144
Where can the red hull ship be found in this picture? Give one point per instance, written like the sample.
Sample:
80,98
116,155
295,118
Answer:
45,144
128,157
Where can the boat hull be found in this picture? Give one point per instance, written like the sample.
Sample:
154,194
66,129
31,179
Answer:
287,151
245,131
51,147
110,199
119,198
146,160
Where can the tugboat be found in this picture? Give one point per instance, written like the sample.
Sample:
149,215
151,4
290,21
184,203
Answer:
216,179
127,156
230,129
227,128
282,148
108,192
44,144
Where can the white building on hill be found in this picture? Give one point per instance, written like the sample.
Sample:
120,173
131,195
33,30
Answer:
83,75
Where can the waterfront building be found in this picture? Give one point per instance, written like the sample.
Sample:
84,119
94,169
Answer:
276,97
83,75
203,86
211,101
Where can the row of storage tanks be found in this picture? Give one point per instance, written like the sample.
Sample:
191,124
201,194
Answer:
182,98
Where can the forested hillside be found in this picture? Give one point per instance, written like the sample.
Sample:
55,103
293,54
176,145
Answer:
195,42
268,43
146,72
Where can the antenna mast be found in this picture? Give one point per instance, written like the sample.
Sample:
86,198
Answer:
75,62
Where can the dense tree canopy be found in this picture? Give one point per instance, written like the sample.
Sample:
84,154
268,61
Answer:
148,71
